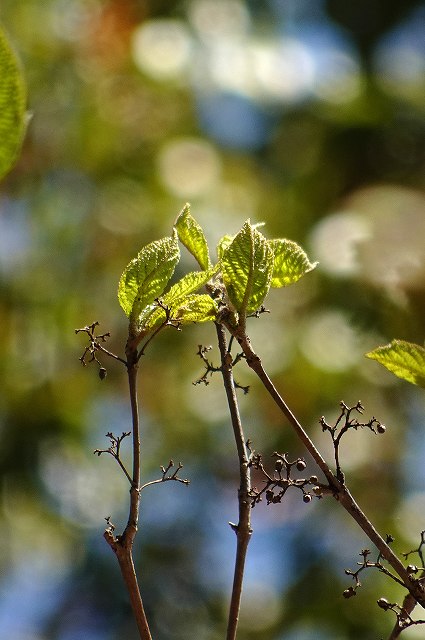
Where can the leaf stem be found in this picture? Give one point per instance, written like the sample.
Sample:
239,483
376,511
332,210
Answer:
243,529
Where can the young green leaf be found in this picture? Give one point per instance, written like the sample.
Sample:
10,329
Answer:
192,237
405,359
147,275
197,307
223,244
179,296
190,283
12,106
290,262
247,266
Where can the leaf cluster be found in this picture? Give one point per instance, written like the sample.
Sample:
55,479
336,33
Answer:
247,265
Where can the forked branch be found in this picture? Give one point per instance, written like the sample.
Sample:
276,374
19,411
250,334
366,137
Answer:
336,485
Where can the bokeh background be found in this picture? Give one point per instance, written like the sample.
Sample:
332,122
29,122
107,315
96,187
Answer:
307,115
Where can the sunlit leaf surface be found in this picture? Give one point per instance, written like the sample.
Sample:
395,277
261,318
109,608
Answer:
147,275
404,359
192,237
290,262
12,106
247,266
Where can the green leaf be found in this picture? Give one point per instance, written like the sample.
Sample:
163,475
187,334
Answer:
146,276
179,296
12,106
196,307
405,359
290,262
190,283
223,244
247,266
192,237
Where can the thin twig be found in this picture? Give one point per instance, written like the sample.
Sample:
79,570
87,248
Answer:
243,529
123,545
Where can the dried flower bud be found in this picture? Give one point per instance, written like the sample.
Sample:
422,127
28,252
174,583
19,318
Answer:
384,604
381,428
411,568
349,593
307,498
301,465
313,479
102,373
279,465
269,496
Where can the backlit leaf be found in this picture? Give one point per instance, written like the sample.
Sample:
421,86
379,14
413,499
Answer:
290,262
405,359
247,266
178,297
223,244
196,307
12,106
192,237
147,275
190,283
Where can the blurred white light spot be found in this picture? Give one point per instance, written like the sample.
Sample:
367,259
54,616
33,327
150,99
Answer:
189,167
217,18
334,240
394,254
161,48
329,342
229,66
283,70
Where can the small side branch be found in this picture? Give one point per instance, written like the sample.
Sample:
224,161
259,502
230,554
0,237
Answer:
95,345
343,424
114,450
167,475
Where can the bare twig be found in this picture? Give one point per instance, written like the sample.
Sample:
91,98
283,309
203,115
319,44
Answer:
167,476
95,346
114,450
243,529
123,545
343,424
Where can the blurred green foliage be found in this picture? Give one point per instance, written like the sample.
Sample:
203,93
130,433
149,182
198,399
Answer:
307,116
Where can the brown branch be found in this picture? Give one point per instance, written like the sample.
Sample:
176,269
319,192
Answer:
123,545
243,529
337,485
